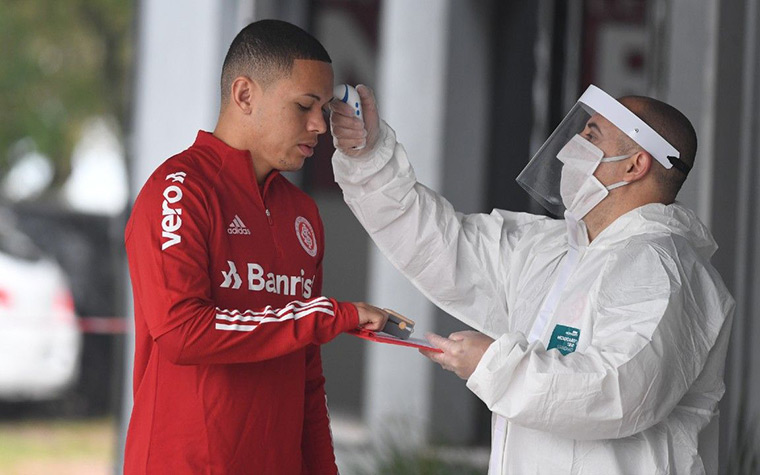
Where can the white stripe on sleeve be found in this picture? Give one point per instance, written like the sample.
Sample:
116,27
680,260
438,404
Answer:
249,320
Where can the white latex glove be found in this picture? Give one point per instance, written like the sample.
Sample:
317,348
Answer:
462,351
350,135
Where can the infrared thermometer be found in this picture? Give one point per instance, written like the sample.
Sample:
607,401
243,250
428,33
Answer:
348,94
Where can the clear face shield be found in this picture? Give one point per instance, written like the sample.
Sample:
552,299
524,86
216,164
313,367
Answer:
560,175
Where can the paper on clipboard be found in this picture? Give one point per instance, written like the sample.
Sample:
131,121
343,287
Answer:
392,340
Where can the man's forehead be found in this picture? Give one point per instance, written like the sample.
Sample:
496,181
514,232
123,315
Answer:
313,78
599,123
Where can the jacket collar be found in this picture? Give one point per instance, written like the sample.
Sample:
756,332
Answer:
227,153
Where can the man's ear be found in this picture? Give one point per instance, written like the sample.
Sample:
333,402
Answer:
638,165
244,93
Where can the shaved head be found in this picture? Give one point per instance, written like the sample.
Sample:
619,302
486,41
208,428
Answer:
674,127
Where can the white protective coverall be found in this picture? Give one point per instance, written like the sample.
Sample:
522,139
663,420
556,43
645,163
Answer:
641,325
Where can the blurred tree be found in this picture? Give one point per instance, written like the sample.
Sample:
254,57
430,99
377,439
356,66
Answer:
61,62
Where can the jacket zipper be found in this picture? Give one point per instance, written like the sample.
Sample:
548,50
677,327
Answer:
271,227
261,192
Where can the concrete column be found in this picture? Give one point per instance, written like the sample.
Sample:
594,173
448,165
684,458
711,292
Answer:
179,56
179,60
411,87
690,71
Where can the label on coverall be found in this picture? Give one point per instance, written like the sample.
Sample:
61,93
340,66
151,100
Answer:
565,339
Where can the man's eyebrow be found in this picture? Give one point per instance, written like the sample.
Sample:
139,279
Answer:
315,96
594,126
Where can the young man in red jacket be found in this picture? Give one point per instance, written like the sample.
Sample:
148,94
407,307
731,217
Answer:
225,257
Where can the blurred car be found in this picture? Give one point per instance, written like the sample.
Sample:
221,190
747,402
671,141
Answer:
40,342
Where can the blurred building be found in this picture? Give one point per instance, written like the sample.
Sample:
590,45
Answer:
472,88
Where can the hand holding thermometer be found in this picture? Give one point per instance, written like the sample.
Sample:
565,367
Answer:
348,94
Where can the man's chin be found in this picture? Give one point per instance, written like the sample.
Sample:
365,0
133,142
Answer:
292,165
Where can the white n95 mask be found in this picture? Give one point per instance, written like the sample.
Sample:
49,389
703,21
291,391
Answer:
581,191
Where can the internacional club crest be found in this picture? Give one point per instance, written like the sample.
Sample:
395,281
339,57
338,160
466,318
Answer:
306,237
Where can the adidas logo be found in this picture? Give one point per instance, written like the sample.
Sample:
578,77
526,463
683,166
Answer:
237,227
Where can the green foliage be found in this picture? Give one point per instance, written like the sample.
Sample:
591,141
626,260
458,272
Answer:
61,62
394,460
422,464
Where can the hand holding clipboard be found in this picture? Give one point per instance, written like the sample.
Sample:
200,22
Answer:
397,331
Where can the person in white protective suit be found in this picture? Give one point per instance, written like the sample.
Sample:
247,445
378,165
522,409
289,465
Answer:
601,338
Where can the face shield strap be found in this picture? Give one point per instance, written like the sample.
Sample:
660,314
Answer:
679,165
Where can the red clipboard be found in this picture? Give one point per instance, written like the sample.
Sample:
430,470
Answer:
392,340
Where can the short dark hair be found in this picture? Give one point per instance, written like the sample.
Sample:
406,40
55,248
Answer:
265,51
674,127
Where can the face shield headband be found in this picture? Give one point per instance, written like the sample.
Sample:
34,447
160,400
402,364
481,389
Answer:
635,128
542,175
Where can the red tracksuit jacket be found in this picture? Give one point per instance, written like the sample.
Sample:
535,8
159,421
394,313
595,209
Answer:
228,321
